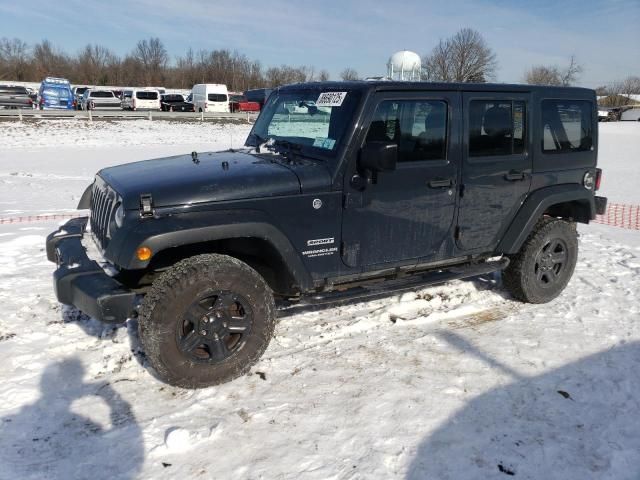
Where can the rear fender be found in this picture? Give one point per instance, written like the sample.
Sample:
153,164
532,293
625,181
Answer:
539,202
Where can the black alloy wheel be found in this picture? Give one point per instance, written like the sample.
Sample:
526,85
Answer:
550,261
215,327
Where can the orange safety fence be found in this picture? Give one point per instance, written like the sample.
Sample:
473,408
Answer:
39,218
621,215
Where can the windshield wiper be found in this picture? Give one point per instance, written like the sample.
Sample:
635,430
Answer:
284,147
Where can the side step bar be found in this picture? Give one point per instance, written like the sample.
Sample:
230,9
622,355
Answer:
382,289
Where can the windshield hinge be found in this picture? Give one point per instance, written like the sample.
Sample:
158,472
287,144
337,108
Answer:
146,205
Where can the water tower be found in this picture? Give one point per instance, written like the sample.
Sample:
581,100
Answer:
404,65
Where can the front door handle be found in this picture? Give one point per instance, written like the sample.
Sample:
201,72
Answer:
440,183
514,176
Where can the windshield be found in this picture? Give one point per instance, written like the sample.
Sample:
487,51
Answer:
56,92
313,120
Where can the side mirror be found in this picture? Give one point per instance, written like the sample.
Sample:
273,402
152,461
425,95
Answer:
378,157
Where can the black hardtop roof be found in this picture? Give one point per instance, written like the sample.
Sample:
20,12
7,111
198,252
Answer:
396,86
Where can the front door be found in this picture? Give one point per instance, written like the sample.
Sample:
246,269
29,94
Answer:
407,213
496,172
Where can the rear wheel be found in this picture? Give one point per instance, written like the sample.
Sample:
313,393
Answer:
542,268
206,321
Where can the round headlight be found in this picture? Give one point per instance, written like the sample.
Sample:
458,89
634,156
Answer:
119,215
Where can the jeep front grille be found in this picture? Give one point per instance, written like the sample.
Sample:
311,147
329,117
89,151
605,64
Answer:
102,202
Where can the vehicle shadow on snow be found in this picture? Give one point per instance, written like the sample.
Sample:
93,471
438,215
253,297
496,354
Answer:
576,422
48,439
105,331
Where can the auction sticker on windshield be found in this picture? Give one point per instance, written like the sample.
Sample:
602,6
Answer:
331,99
322,142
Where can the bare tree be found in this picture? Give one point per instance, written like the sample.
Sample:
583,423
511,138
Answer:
92,65
571,73
631,86
276,76
147,64
153,58
349,74
15,59
554,75
465,57
541,75
49,61
618,93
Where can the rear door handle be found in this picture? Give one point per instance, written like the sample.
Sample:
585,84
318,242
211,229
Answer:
440,183
514,176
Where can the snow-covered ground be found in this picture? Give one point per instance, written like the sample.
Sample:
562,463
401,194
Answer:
448,382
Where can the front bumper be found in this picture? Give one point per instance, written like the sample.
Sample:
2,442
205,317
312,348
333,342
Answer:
81,282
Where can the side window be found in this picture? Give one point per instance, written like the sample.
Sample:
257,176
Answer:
496,127
418,127
566,126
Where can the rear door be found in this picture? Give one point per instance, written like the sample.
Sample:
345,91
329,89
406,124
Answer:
496,170
407,213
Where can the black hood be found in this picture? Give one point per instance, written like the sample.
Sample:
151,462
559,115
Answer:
213,177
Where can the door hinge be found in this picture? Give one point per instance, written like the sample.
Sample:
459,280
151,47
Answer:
350,253
352,200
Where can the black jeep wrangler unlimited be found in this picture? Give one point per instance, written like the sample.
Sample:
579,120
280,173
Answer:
341,186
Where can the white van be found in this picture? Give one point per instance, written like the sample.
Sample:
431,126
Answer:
141,99
210,97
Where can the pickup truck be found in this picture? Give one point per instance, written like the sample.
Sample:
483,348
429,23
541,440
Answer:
15,97
239,103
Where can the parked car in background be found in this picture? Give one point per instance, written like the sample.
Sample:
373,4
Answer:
99,100
77,96
258,95
210,97
239,103
33,95
603,114
175,102
15,97
140,99
55,93
631,114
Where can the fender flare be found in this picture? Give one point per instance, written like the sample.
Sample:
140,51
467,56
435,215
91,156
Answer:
534,207
188,229
85,199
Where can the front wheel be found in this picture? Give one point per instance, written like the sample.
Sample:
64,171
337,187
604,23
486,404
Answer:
542,268
206,321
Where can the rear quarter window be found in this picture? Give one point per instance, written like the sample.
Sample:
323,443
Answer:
567,126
